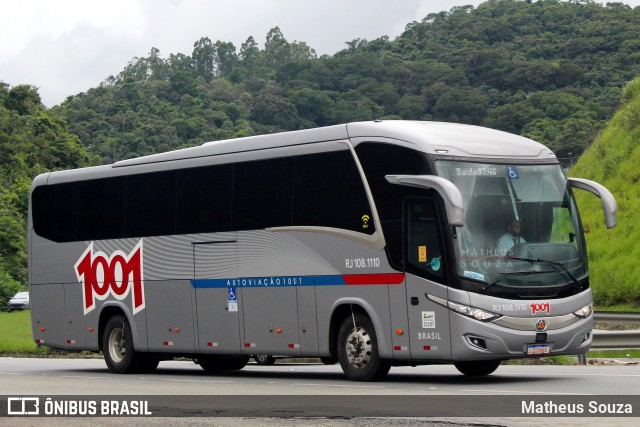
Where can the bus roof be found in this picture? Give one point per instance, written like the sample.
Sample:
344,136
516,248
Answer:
450,139
454,139
438,138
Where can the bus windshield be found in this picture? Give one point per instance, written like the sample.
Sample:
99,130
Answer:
522,234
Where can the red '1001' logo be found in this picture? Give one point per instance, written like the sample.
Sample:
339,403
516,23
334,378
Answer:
538,307
115,275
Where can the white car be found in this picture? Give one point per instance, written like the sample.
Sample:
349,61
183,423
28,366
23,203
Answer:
20,301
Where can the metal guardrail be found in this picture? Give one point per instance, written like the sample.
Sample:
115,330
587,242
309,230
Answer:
616,339
616,316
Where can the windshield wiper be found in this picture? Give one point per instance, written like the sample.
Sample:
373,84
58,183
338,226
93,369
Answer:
514,273
550,262
514,199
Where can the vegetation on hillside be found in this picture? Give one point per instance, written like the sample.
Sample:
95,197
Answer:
549,70
613,161
32,141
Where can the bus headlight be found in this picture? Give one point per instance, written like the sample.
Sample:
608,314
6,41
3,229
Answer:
465,310
584,312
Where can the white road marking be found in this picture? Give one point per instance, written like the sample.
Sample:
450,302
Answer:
106,377
340,385
523,392
194,381
568,375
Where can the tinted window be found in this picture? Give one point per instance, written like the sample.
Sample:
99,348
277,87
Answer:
379,160
55,212
204,199
101,209
329,192
422,236
262,194
151,204
316,190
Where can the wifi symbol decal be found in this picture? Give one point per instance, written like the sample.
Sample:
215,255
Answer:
365,221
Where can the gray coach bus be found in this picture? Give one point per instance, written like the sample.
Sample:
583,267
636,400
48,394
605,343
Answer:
376,244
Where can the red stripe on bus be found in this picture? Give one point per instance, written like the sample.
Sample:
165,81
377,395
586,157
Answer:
374,279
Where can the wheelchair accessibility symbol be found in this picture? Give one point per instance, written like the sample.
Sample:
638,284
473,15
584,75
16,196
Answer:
232,303
512,171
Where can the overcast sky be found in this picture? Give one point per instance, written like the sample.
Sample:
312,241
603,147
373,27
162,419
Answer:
68,46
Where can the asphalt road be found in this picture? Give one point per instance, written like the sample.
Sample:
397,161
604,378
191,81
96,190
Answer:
292,383
90,376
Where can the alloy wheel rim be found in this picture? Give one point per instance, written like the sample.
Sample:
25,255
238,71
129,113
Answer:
117,345
359,348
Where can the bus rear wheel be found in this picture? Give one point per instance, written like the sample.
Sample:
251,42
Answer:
219,363
264,359
358,350
117,347
477,368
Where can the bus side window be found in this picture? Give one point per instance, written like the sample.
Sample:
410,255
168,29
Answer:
151,204
204,199
55,212
378,160
423,249
328,192
101,209
262,194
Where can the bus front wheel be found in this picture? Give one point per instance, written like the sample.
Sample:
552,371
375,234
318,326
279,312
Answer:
477,368
358,350
328,360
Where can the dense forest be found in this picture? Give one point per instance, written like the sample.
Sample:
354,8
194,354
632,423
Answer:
548,69
33,140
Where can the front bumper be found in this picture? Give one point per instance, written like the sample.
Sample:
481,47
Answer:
504,339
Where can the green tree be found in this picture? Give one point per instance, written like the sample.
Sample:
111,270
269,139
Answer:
204,59
23,99
226,58
32,141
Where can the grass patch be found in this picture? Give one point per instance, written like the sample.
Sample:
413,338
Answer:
614,354
16,338
551,360
629,308
15,332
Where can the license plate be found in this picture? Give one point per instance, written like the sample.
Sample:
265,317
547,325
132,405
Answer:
536,349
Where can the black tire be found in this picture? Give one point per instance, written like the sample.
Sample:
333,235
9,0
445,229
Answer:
149,363
329,360
221,363
118,351
264,359
477,368
358,350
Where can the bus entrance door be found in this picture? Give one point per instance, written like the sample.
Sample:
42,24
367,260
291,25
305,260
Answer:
425,278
